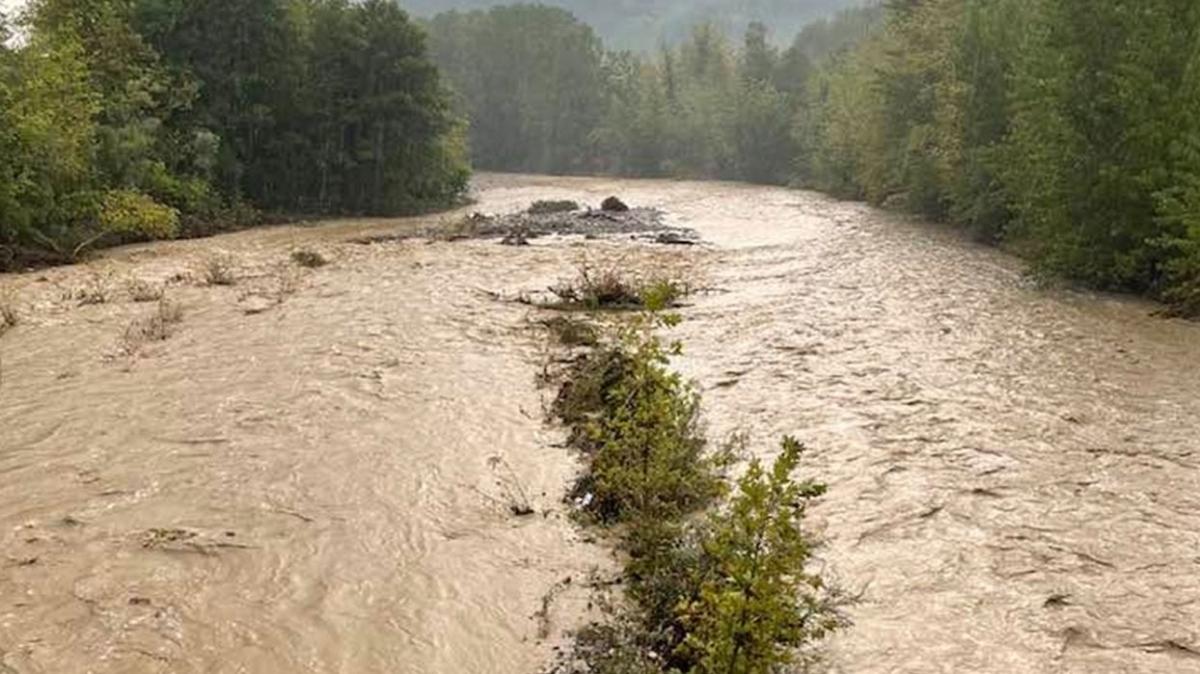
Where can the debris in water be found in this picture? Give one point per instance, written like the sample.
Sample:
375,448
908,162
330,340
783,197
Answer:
515,238
155,538
515,496
1057,601
543,614
674,239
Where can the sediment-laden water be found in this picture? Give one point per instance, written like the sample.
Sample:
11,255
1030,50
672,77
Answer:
312,473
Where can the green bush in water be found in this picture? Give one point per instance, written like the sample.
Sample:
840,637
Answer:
756,604
637,423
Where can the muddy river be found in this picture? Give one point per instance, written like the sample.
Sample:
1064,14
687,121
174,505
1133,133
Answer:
310,473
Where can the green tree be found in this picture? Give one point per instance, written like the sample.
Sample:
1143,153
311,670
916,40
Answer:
131,119
633,137
530,78
1097,110
756,605
759,58
49,145
382,131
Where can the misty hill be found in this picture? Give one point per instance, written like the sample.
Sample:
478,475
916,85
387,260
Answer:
643,24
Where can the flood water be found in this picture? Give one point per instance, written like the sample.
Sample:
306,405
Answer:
312,473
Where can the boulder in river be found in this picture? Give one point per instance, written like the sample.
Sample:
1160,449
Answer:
614,205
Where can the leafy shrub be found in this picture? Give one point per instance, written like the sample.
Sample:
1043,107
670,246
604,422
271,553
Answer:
133,213
1182,277
1184,296
727,593
638,425
226,218
756,604
85,218
190,195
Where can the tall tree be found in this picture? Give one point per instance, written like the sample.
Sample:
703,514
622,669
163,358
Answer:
531,80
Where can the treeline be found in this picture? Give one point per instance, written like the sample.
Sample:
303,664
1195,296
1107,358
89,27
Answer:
1069,130
127,119
543,94
642,25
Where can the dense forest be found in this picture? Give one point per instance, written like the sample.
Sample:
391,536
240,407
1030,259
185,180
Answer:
125,119
1067,130
644,25
543,94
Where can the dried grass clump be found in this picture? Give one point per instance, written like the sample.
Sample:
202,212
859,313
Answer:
92,293
9,318
609,288
309,259
141,290
156,327
572,332
219,271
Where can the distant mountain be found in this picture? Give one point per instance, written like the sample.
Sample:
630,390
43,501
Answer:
644,24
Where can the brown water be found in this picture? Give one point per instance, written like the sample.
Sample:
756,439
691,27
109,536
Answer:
309,475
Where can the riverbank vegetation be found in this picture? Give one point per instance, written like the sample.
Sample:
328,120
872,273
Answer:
136,119
1065,130
715,578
